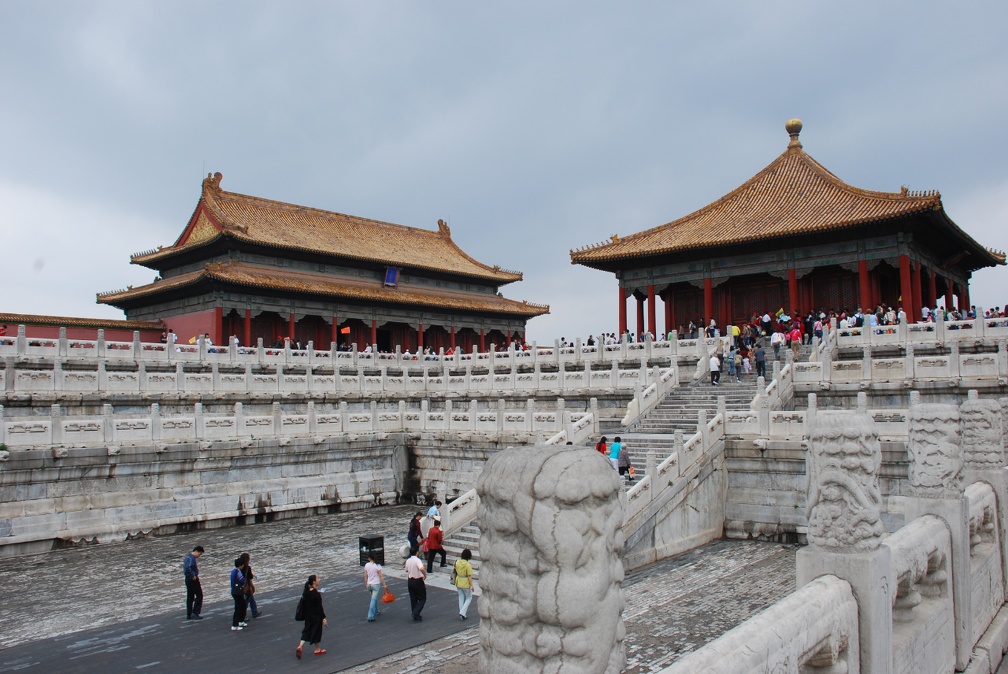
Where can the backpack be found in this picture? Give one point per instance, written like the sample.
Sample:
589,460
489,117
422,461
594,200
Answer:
299,612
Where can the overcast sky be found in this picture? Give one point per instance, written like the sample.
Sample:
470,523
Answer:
531,127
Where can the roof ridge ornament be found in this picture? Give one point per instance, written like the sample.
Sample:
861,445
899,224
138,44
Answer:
794,127
444,229
212,181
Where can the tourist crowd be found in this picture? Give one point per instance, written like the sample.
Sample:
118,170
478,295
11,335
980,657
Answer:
423,533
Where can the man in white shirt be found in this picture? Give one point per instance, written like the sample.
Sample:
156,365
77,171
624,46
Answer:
715,370
416,574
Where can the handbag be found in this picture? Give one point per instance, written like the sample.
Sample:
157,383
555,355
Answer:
299,612
454,574
388,597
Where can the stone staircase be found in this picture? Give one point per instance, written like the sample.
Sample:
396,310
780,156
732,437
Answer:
466,537
678,411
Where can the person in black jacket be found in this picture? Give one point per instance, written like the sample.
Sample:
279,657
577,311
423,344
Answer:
314,617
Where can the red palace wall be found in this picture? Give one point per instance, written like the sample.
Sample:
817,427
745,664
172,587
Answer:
111,334
195,324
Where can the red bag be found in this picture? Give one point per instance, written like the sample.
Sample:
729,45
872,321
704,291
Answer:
388,597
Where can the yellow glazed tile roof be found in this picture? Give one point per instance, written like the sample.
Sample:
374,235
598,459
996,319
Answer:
78,322
270,278
298,228
794,195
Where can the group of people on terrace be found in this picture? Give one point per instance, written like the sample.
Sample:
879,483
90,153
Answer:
423,533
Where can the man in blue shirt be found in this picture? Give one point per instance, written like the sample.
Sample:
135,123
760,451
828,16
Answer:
194,591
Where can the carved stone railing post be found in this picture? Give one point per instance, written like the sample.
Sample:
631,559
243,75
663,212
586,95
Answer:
954,363
703,430
678,448
845,525
199,422
651,468
551,536
108,423
982,438
155,416
277,420
936,487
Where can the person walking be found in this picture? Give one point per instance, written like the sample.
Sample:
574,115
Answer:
194,590
463,582
760,360
415,577
435,545
415,535
715,370
314,617
250,602
601,448
238,594
614,450
623,463
374,581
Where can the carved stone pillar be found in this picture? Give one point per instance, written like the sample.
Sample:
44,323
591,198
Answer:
936,487
845,524
982,441
551,538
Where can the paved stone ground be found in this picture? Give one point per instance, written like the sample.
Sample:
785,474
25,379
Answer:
672,607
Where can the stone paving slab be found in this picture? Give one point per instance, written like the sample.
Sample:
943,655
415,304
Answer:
673,606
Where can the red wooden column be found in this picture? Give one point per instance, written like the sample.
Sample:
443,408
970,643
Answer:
865,282
652,322
668,311
220,337
914,312
906,286
792,287
451,337
932,289
640,315
963,296
622,312
335,330
708,303
290,326
482,340
949,291
374,332
247,328
419,338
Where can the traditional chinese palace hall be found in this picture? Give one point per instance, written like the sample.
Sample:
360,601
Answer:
256,268
793,237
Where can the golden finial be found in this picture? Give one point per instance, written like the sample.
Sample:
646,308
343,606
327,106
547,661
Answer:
794,127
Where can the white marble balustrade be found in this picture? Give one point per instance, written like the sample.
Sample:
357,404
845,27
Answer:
55,377
114,429
259,354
